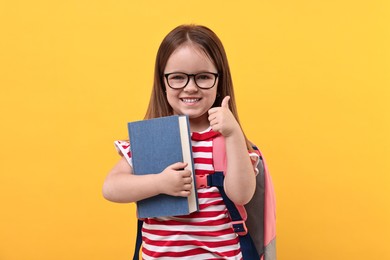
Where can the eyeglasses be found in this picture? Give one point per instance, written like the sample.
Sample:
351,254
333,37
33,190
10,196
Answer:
204,80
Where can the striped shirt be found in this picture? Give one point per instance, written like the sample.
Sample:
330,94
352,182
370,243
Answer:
206,234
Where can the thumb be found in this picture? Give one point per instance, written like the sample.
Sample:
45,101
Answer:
178,165
225,102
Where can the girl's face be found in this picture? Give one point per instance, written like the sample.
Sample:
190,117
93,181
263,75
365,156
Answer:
191,100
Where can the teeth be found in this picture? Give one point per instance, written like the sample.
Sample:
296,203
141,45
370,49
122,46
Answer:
190,100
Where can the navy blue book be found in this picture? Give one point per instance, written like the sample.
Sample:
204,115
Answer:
155,144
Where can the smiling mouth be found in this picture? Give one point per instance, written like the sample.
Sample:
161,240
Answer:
190,100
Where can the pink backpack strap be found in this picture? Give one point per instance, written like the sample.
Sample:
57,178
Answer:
220,164
219,154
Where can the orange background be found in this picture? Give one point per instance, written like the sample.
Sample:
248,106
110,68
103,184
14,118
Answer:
313,89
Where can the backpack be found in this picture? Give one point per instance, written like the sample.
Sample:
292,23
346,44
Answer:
254,223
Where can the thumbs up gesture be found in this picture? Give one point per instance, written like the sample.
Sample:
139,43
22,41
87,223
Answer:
222,119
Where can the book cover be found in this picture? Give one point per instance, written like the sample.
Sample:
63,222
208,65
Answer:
155,144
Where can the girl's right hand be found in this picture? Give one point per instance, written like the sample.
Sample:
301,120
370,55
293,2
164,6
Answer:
175,180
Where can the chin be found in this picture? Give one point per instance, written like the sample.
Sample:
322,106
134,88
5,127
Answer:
198,117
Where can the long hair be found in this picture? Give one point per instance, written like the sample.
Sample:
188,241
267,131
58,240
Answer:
204,38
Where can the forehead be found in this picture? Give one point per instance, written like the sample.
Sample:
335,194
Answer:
189,58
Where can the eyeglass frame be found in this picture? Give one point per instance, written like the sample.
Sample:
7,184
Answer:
216,75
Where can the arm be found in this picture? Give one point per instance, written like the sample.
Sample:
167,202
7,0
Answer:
122,186
240,179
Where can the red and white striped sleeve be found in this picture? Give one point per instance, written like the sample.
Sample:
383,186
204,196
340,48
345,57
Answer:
123,149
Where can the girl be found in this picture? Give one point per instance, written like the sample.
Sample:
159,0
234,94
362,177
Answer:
192,77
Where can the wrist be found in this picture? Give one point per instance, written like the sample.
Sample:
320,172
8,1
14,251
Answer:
235,133
158,180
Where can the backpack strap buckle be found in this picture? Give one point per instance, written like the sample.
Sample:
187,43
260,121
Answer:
201,181
240,227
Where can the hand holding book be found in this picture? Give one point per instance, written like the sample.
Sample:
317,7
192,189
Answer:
162,147
175,180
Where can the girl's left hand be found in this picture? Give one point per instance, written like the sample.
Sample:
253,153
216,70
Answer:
222,119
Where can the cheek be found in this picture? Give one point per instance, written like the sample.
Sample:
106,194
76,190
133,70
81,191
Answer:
171,97
213,96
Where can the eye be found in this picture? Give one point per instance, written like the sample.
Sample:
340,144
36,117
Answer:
204,76
177,77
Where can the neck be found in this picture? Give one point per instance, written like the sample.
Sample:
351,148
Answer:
199,124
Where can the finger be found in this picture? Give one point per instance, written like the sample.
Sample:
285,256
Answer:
186,174
187,180
225,102
212,118
184,193
187,187
213,110
178,165
214,124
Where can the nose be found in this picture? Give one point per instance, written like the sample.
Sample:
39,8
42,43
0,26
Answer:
191,85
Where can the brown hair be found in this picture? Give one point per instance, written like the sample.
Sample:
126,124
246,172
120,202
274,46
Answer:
211,45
